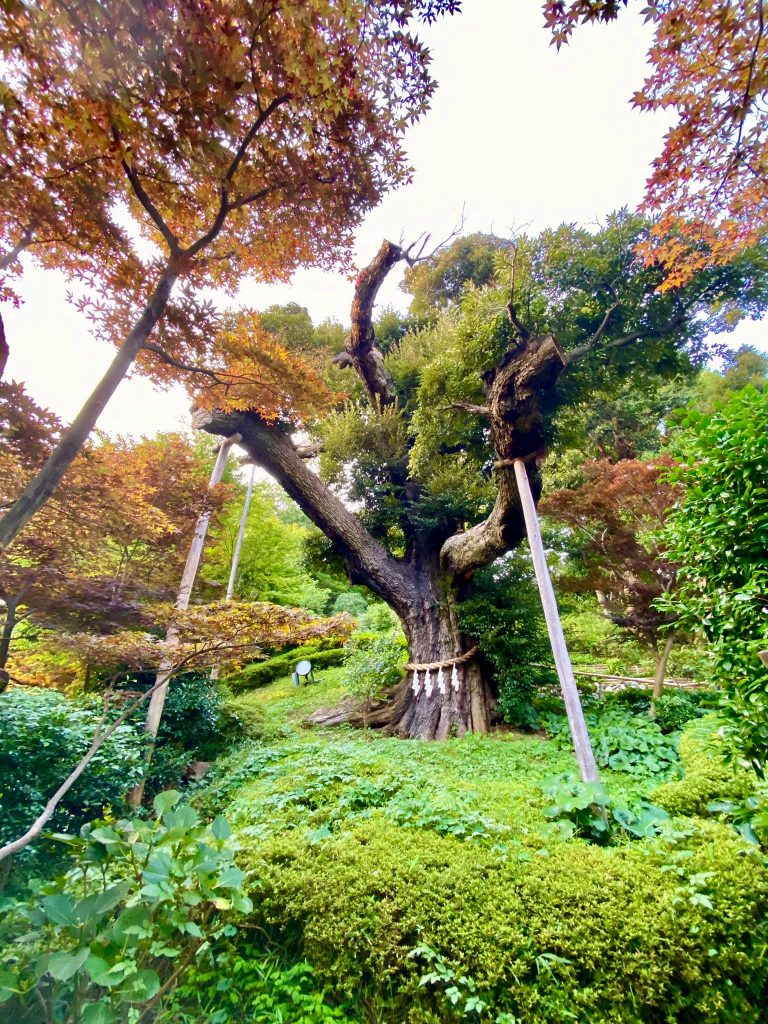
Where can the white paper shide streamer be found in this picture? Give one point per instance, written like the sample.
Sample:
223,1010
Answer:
428,683
455,680
416,684
441,680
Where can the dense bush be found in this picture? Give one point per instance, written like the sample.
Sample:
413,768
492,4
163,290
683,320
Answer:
352,603
43,735
502,613
379,619
719,534
707,777
260,673
623,741
675,708
374,663
545,939
102,943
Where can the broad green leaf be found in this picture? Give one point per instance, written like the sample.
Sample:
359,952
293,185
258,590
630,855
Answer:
64,966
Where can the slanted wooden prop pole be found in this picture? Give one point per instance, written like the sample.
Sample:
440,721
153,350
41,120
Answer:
584,754
240,535
157,701
236,554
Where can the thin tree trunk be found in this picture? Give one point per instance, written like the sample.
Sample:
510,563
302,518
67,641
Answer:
160,690
584,755
5,642
4,350
41,487
8,627
661,666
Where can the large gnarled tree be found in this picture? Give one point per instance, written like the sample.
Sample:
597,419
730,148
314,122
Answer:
416,488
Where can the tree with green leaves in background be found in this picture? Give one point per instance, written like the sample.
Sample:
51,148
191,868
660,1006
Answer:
719,536
415,484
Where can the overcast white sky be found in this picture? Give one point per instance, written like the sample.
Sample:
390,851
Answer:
518,134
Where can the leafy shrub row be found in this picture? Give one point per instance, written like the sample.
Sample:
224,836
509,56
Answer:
648,933
260,673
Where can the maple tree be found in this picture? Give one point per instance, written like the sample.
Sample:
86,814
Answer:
614,518
415,484
709,69
111,541
153,146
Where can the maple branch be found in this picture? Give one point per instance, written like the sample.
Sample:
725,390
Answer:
8,258
251,135
254,197
150,346
225,207
171,240
745,104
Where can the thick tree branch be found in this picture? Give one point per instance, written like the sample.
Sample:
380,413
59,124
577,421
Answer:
627,339
476,410
362,352
367,561
513,393
482,544
8,258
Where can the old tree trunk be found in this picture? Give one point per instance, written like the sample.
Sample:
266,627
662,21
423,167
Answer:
426,585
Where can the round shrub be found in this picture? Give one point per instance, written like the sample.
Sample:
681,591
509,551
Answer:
676,708
647,933
707,776
351,603
43,735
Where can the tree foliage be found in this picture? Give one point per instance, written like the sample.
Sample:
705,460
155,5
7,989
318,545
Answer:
718,534
613,520
709,68
149,145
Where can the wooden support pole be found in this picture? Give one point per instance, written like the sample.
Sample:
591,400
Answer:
236,554
240,535
584,755
165,670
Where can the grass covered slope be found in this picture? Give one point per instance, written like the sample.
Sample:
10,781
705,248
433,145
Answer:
423,884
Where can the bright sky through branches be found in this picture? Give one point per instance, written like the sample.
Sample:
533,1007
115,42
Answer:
518,135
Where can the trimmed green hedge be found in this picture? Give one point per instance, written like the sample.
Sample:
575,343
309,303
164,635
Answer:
642,933
706,775
260,673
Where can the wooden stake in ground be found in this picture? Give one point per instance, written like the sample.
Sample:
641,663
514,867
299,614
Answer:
157,703
584,754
